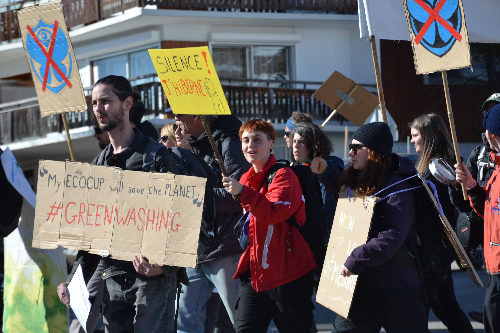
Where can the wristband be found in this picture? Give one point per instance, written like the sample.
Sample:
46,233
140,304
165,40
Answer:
471,186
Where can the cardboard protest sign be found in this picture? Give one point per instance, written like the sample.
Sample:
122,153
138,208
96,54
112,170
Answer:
358,104
438,35
349,230
51,59
190,81
109,211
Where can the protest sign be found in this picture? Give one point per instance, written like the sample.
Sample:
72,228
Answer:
51,59
438,35
109,211
346,97
349,230
190,81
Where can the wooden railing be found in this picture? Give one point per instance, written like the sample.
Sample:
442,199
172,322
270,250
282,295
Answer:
84,12
247,99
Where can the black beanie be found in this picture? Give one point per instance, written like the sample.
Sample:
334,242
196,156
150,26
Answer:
376,136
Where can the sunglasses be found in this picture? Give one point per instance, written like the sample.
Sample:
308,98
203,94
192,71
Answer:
97,131
287,133
355,146
164,138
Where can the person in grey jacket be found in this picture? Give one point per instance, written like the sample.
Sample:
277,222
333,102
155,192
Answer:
139,296
218,261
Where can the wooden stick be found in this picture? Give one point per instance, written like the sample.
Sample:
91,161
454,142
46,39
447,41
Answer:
70,145
378,77
452,127
339,106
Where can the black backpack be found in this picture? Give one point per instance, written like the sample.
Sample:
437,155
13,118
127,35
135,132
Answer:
313,229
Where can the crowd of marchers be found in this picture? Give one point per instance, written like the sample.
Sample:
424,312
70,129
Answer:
267,223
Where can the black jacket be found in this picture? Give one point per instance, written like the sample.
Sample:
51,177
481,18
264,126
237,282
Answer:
225,132
148,130
129,159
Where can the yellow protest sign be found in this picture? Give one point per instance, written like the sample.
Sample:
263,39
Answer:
190,81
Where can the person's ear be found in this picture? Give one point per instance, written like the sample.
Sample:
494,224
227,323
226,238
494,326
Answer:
271,145
129,101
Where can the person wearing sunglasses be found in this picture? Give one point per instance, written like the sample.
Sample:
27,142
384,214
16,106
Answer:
388,294
167,137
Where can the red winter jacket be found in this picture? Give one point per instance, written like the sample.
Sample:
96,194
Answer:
277,253
486,202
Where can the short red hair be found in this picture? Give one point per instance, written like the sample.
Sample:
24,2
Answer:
258,125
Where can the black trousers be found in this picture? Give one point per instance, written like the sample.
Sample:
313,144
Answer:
396,310
490,305
289,305
446,308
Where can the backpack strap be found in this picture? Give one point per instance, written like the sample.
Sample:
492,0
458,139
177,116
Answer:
269,178
100,157
149,157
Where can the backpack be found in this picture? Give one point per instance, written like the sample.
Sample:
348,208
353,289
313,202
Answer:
313,230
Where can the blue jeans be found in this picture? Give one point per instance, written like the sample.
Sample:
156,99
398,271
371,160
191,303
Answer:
135,303
202,280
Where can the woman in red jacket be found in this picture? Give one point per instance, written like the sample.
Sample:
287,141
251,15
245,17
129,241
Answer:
275,269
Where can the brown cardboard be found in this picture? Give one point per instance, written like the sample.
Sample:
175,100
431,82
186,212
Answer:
51,101
102,198
74,206
357,108
458,56
349,230
187,197
157,228
50,192
131,215
108,211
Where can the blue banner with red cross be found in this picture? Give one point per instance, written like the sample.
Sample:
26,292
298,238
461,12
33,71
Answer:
51,59
438,34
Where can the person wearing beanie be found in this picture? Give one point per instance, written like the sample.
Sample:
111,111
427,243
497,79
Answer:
388,290
483,199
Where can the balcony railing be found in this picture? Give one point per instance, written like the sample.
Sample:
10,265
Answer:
247,99
84,12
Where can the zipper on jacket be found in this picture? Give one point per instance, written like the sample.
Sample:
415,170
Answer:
495,244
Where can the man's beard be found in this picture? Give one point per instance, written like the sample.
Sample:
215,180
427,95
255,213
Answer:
115,121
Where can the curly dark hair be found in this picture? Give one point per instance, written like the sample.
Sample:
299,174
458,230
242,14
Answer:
315,140
372,177
301,117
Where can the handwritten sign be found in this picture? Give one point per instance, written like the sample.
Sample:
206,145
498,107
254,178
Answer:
108,211
350,230
51,59
190,81
438,35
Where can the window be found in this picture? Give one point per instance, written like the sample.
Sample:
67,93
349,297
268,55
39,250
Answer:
485,59
253,62
129,65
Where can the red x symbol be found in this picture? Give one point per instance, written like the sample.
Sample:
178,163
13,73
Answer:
434,16
50,61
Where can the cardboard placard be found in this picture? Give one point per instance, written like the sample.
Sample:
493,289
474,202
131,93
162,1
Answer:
51,59
190,81
349,230
357,107
438,35
108,211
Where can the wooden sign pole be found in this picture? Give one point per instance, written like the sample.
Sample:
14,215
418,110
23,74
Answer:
216,150
339,106
452,126
378,77
70,144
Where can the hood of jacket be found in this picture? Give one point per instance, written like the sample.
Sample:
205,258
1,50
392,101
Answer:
225,125
401,166
148,130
